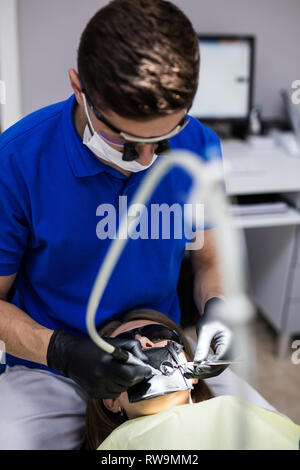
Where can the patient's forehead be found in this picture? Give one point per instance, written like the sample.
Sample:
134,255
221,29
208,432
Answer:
132,325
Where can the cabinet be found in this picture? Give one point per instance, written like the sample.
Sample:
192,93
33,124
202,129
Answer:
273,242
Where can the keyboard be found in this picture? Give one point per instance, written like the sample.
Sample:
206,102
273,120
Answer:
257,209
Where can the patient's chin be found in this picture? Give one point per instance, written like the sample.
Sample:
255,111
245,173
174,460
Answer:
156,405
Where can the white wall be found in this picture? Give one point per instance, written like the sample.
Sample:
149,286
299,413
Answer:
10,93
50,32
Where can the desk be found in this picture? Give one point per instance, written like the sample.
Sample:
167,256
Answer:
273,241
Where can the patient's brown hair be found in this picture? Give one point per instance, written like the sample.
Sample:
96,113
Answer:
100,422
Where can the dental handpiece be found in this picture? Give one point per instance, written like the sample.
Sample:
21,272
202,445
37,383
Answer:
122,355
128,358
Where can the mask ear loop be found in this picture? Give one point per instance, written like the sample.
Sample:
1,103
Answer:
92,130
87,114
130,152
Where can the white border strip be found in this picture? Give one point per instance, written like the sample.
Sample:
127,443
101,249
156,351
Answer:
10,63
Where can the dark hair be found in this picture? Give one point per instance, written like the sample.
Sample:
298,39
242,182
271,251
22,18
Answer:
100,422
139,58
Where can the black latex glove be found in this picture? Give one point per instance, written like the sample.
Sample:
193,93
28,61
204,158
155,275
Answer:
96,371
214,334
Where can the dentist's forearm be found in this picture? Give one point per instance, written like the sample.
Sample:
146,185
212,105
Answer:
207,273
207,284
22,336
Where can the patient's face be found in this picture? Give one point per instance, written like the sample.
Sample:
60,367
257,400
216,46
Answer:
153,405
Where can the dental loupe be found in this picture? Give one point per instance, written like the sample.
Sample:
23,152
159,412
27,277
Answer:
208,189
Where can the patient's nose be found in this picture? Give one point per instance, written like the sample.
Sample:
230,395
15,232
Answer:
145,342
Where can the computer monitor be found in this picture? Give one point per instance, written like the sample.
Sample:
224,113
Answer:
225,91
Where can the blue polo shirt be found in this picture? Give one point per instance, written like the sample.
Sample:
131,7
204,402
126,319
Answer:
52,192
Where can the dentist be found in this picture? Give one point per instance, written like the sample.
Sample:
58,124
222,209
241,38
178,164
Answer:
138,66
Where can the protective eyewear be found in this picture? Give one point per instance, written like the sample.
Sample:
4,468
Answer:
133,138
155,333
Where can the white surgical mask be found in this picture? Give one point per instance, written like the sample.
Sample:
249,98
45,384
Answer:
104,151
